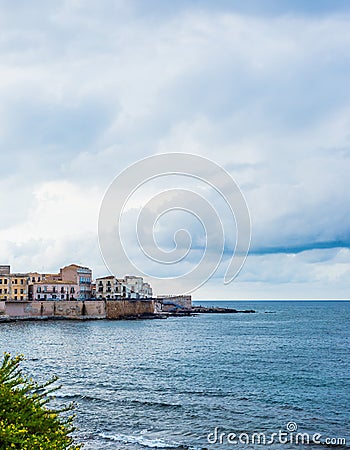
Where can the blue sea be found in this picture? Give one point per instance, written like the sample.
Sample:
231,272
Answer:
208,381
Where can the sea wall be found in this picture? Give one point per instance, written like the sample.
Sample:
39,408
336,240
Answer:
88,309
2,308
121,308
171,303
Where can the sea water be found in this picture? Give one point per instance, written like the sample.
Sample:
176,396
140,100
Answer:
208,381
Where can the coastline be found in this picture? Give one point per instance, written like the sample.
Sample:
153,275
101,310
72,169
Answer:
130,309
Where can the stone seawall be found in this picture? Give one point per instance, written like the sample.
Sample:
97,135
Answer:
80,310
123,308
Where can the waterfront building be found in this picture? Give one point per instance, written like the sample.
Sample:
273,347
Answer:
5,270
34,277
13,286
105,287
136,285
73,282
18,287
53,290
147,291
80,275
4,282
130,287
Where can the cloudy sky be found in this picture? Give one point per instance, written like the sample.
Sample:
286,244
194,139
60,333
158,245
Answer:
261,87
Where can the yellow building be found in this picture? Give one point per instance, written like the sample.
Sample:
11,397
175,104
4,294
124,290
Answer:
18,286
4,286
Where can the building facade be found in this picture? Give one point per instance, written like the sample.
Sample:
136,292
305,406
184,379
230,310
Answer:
53,290
4,282
18,287
5,270
73,282
130,287
13,286
80,275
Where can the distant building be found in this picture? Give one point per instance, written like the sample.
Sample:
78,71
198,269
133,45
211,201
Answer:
73,282
35,277
137,286
18,288
147,291
130,287
80,275
53,290
13,286
4,283
105,287
5,270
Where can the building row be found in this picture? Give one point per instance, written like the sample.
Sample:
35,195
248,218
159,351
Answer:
112,288
73,282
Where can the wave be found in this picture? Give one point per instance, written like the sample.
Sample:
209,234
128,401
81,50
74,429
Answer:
144,442
78,397
89,398
156,404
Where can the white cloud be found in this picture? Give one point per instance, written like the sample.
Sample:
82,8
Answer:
87,89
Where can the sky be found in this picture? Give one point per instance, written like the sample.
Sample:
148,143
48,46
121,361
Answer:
260,87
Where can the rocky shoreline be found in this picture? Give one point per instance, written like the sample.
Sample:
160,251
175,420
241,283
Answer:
219,310
196,310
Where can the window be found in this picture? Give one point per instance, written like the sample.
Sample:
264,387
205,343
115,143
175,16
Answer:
54,289
45,296
0,291
33,279
38,296
16,281
15,291
39,289
54,296
0,280
5,281
72,290
22,292
15,297
5,291
22,281
38,278
45,288
62,297
21,297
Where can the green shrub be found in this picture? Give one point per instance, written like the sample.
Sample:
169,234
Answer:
26,420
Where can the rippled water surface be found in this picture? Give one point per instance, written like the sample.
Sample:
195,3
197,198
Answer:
168,383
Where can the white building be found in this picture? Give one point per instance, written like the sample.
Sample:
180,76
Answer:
112,288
